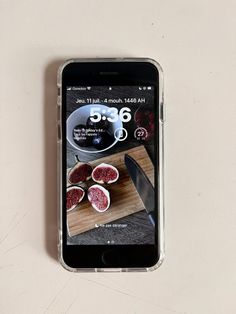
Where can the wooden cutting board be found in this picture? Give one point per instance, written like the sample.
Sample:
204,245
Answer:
124,197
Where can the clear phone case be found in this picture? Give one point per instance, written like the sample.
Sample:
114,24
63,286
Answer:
160,217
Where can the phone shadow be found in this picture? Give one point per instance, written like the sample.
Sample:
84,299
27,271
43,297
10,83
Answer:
50,157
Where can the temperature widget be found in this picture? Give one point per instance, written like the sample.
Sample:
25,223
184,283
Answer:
140,134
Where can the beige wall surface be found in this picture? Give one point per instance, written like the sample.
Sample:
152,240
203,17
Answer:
194,41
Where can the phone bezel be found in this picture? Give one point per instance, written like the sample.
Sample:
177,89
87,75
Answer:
108,72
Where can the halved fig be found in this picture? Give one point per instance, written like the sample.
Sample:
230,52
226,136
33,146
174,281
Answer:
99,197
74,195
105,173
81,172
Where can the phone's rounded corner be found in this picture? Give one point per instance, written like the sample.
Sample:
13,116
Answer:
61,69
63,263
155,64
158,263
160,72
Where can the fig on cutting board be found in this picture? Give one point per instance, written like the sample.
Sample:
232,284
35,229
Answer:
99,197
74,195
105,173
81,172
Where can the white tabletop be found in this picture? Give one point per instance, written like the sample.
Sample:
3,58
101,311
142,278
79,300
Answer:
194,41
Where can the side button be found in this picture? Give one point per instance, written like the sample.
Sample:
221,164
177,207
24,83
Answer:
162,112
58,132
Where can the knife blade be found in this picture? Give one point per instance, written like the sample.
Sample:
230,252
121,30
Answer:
143,186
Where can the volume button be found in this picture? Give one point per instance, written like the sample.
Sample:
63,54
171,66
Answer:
59,100
58,113
58,131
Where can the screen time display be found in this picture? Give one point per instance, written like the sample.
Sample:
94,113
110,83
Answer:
110,155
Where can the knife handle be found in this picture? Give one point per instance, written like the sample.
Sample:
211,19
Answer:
151,216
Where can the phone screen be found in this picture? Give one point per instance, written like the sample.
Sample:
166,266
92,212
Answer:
110,154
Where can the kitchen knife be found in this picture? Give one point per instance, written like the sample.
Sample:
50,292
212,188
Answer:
143,186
